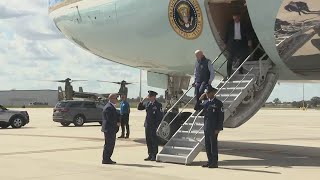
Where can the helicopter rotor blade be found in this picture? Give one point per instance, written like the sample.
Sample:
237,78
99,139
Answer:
110,82
78,80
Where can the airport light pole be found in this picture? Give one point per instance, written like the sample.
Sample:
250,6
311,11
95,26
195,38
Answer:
303,96
140,85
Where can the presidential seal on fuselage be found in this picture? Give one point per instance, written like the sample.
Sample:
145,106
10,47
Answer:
185,17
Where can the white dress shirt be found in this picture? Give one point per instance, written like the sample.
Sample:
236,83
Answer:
237,31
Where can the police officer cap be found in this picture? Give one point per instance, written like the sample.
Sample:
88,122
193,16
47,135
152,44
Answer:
152,93
210,89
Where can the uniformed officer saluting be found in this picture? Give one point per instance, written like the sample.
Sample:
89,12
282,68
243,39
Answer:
152,121
213,124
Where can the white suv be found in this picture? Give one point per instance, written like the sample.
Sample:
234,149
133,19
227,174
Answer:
15,119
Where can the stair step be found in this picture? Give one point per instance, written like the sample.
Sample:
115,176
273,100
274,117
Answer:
199,120
171,158
187,126
230,90
176,150
237,81
226,98
193,134
227,94
233,85
179,148
240,77
195,124
182,140
227,102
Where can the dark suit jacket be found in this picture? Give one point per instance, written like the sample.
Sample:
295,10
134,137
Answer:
246,35
110,118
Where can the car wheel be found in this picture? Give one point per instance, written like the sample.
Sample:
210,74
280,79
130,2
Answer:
5,126
17,122
65,124
79,120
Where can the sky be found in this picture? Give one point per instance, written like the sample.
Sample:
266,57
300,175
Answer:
33,50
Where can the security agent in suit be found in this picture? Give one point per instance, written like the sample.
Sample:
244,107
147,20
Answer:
238,40
110,127
152,121
213,124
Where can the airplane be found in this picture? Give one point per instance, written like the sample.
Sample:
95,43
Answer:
162,36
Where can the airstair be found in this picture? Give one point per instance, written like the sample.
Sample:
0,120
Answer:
242,95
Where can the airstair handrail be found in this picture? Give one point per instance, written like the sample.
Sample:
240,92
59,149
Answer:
234,73
226,98
178,101
219,55
226,82
238,84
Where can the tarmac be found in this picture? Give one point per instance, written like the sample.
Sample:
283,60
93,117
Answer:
274,144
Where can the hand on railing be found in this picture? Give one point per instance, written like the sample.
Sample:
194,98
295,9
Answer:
224,85
178,101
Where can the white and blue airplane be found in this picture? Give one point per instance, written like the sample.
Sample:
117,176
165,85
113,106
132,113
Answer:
161,36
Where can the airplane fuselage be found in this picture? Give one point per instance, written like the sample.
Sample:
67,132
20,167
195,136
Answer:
145,34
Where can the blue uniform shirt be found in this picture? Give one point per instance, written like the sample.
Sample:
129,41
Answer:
124,107
154,114
213,115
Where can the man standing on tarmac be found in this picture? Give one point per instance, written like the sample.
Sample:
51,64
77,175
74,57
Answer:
152,121
110,126
124,113
213,124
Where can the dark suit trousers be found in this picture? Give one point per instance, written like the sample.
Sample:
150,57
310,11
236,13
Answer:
152,141
238,50
125,124
109,143
199,90
211,141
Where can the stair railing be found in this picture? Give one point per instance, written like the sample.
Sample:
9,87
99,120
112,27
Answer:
180,99
226,82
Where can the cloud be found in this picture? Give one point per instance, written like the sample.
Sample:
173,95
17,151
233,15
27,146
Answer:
32,49
8,12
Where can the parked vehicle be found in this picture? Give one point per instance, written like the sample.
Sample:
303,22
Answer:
77,112
13,118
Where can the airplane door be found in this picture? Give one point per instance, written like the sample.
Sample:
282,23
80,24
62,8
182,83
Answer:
263,16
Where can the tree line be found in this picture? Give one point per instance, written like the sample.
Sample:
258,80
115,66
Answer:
312,103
